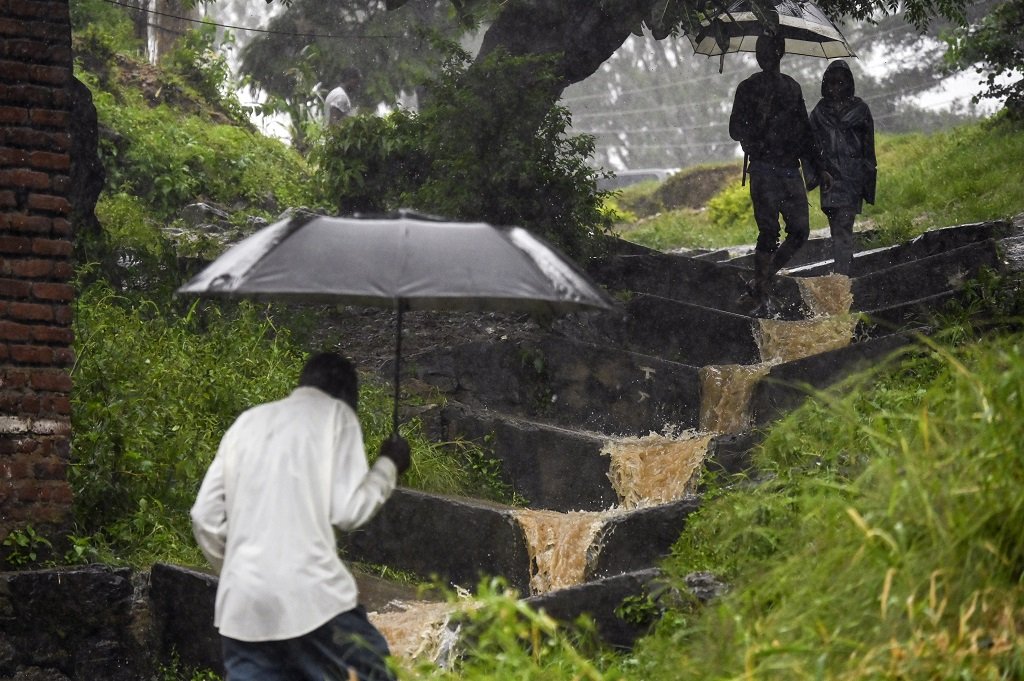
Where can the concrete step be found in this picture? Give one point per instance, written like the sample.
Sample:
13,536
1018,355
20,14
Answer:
462,541
671,329
932,242
566,383
553,468
689,280
923,277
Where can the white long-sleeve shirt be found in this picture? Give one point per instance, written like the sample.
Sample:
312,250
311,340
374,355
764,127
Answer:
286,473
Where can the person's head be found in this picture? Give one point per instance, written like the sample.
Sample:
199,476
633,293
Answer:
333,374
837,82
769,49
351,79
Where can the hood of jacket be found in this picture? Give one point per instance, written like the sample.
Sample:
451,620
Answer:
839,69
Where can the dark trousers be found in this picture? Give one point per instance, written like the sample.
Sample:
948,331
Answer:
840,224
348,641
773,195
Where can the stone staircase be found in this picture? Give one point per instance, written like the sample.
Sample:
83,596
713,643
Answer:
555,409
604,422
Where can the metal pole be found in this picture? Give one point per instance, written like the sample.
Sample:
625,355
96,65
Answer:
398,367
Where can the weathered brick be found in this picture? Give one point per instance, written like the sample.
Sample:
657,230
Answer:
30,224
13,378
57,335
32,95
48,160
51,291
52,247
48,202
13,115
56,404
3,352
44,30
63,357
24,178
8,199
15,467
39,9
31,268
50,75
63,314
13,157
48,118
34,139
31,312
63,270
50,468
31,354
12,331
56,380
36,51
15,288
29,404
15,244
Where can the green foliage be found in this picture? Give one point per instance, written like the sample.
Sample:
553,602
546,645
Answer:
731,207
172,147
461,158
153,394
203,65
994,49
24,547
101,31
504,638
882,539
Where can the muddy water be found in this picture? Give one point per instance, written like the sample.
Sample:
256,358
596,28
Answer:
561,545
830,326
726,389
826,296
725,392
416,630
655,469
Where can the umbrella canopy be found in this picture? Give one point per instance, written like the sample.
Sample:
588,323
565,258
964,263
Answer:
804,26
405,261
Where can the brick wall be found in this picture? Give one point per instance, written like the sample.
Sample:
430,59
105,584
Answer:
35,263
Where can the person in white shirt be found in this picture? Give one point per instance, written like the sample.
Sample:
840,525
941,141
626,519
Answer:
338,103
286,474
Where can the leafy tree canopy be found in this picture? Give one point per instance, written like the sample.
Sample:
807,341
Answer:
996,46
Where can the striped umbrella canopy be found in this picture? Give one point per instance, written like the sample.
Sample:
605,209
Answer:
804,26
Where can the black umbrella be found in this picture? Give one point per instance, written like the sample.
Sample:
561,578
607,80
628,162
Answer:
804,26
405,261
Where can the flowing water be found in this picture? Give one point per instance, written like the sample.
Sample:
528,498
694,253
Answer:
655,469
644,471
417,630
726,389
725,392
561,545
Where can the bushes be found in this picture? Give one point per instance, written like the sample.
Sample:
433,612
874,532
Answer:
453,159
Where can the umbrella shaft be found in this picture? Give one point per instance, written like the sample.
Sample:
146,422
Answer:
398,368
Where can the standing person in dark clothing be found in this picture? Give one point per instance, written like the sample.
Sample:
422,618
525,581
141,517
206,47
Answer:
845,132
769,120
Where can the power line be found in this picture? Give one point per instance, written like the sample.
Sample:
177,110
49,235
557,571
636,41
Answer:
294,34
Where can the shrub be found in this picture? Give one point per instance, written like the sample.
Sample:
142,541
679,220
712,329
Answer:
453,159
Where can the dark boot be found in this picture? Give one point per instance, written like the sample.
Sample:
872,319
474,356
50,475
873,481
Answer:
755,298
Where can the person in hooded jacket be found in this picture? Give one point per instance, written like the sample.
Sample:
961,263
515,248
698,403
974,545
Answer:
845,132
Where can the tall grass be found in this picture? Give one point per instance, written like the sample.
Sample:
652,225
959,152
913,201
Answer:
886,541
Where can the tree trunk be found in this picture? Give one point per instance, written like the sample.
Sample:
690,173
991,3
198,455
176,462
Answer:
580,35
